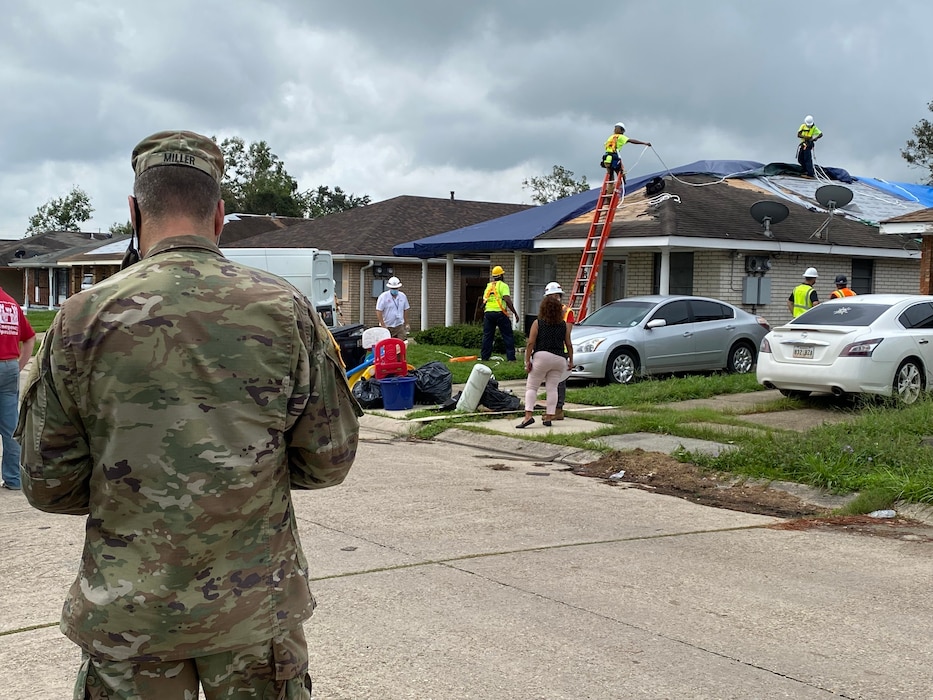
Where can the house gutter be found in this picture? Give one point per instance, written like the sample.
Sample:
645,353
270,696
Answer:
362,295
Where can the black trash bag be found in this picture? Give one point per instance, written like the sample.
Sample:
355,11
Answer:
368,393
433,383
450,404
496,400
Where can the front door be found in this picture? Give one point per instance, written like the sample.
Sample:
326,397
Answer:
613,283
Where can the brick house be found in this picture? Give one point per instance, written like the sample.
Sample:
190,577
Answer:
698,237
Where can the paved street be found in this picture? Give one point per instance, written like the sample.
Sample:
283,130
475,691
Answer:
447,571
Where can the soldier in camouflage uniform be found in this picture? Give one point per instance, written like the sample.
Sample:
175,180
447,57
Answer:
176,404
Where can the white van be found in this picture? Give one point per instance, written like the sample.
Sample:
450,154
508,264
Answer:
309,269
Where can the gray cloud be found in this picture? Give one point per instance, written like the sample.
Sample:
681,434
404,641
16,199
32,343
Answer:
420,97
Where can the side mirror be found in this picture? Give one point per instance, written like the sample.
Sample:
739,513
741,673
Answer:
656,323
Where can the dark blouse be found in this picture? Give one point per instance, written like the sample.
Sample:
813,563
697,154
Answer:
551,338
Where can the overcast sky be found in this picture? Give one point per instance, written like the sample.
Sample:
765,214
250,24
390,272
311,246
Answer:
421,97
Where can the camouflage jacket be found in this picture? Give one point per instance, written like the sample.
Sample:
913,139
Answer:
176,403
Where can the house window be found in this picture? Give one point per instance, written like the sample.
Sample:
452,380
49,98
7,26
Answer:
338,280
681,280
863,275
541,270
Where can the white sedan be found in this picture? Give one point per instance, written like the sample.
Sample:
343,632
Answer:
870,344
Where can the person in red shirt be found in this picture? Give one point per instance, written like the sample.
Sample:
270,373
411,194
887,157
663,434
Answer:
17,339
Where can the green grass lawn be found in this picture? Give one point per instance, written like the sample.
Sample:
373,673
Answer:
40,320
878,453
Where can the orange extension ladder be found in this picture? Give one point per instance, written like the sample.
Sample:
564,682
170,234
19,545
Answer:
585,281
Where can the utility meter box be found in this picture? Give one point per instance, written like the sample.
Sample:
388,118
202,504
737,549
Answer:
756,290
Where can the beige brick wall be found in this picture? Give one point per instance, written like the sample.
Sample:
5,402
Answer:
716,273
410,277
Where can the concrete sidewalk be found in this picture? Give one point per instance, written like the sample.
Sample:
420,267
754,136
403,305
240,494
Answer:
447,570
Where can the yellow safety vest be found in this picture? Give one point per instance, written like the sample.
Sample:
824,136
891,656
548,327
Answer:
802,299
615,142
808,132
493,296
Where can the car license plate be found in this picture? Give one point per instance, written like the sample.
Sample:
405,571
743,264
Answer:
803,352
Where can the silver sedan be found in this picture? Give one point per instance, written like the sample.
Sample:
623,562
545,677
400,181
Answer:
640,336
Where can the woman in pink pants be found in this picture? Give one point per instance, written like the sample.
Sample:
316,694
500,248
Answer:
548,355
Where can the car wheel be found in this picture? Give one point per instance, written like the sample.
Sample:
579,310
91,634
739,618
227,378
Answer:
622,367
794,394
908,381
741,358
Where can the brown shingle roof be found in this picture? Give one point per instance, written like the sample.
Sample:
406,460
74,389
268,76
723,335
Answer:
722,212
240,226
44,243
376,228
923,216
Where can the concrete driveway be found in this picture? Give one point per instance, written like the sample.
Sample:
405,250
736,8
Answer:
447,571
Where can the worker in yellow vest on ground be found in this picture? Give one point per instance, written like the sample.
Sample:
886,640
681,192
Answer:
497,303
804,295
611,159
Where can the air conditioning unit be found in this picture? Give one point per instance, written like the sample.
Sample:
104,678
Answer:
758,264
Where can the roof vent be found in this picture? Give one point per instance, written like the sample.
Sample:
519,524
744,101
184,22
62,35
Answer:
451,195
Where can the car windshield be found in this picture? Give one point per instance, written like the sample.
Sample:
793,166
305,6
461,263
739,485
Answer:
621,314
841,314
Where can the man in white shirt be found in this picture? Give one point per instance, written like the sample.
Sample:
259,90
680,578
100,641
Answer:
392,309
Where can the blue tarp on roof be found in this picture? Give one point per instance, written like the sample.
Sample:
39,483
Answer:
518,231
922,194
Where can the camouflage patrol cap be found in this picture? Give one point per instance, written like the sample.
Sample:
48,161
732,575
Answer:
179,148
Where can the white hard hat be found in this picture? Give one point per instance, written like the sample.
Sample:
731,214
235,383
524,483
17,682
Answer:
810,272
394,283
808,120
553,288
621,125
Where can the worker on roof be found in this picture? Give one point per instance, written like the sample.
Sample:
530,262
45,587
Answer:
809,134
804,297
841,290
611,159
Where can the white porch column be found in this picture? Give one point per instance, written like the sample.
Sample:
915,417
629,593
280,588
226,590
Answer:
51,288
449,291
424,294
664,280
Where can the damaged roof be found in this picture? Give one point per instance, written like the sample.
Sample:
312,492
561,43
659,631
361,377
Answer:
722,193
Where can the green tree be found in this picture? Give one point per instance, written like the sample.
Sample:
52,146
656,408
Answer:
559,184
118,229
322,201
256,181
62,213
919,151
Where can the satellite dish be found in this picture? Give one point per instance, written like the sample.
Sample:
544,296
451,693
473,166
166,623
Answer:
833,196
767,212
